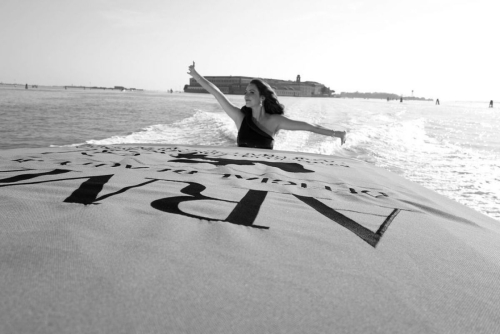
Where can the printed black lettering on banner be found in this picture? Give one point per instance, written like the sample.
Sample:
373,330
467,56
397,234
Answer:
368,192
194,158
131,167
226,176
315,185
178,171
244,213
91,164
372,238
89,190
92,150
24,177
25,160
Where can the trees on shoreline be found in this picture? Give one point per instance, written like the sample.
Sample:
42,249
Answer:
376,95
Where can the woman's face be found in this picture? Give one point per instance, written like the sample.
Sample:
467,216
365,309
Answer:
252,96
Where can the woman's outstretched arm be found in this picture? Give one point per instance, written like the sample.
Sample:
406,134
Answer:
290,124
233,111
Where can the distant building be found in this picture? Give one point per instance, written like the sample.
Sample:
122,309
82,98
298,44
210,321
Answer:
238,84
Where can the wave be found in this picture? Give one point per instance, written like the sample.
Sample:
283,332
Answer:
202,128
217,129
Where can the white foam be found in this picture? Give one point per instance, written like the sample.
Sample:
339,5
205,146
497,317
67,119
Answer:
205,128
312,111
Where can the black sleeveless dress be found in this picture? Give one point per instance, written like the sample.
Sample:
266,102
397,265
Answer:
250,135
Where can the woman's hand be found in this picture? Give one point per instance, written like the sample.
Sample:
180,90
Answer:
192,72
342,135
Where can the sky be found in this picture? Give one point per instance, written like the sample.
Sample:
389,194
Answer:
446,49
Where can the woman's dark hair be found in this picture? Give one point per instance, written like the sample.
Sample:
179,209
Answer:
271,103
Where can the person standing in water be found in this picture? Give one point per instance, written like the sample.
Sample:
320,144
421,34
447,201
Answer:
491,104
262,116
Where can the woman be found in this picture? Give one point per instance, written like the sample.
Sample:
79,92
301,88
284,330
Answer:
262,116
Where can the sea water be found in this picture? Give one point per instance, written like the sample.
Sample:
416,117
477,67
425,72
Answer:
452,148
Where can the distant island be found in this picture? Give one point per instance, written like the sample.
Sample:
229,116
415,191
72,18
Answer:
384,96
120,88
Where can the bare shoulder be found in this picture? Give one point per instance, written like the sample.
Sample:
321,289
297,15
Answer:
275,121
273,117
281,122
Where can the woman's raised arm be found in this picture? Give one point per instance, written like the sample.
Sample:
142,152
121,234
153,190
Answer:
233,111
